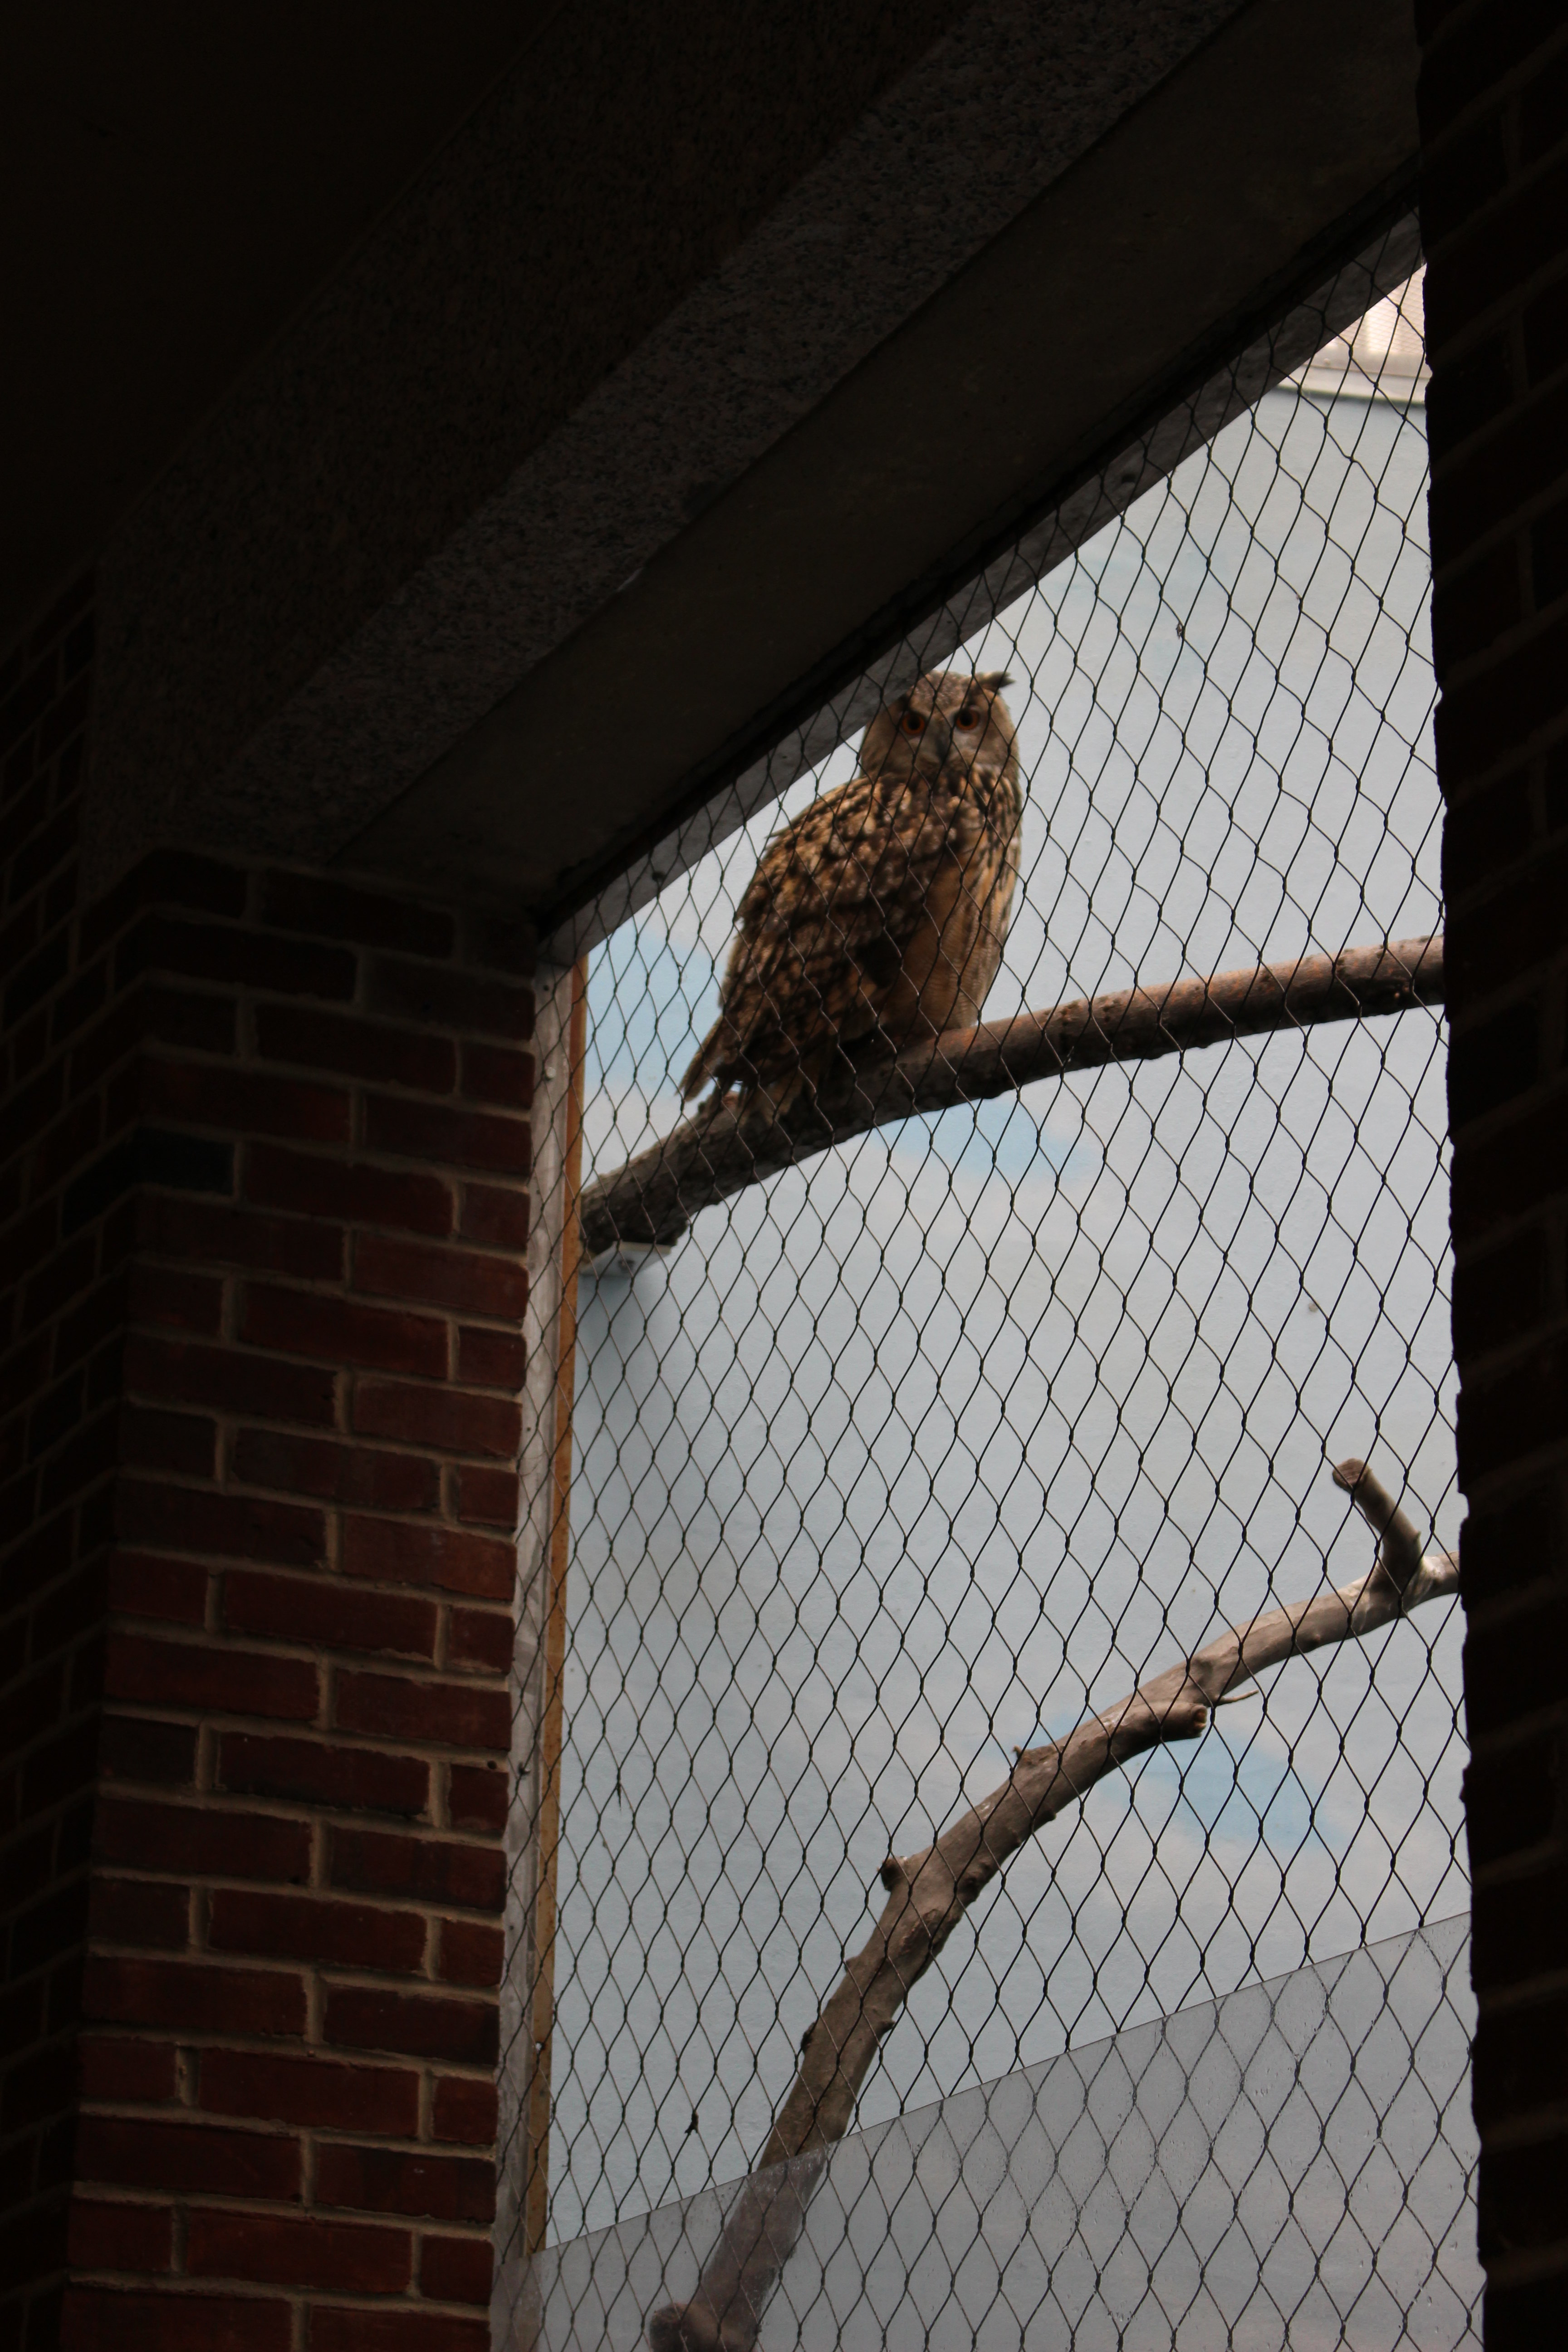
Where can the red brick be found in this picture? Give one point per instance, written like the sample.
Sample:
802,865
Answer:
138,1912
27,1865
1505,703
1510,1172
58,1768
1502,1297
470,1282
213,1677
120,2237
463,1000
146,2152
241,958
236,1526
1510,1802
1473,56
493,1360
359,1780
320,1609
422,1870
1485,261
33,1706
1513,1413
373,1477
306,1928
476,1797
359,1049
22,2019
392,2181
30,1109
70,1271
306,1323
336,2328
276,2088
299,902
165,1298
441,1418
227,1380
456,2270
22,1373
28,1241
464,2111
447,1714
143,1586
406,1551
457,1138
480,1637
130,1747
49,1928
245,1102
182,1442
40,2084
492,1497
111,2319
296,2252
168,1016
497,1074
495,1215
174,878
87,1455
68,1143
1512,1670
187,1228
1475,609
471,1953
350,1190
76,1004
1498,942
100,1315
205,1839
1521,1929
194,1995
123,2072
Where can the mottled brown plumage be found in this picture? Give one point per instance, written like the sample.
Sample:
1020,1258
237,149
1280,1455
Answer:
878,916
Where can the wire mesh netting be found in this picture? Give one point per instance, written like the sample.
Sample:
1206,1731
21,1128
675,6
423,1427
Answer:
937,1435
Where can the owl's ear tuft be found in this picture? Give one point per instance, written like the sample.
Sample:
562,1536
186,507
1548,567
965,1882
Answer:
994,679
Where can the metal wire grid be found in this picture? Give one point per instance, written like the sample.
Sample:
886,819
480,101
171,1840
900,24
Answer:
920,1451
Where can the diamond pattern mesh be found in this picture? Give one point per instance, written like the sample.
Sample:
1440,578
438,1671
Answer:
916,1451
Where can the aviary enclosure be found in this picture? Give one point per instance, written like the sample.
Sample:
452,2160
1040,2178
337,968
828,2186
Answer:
988,1858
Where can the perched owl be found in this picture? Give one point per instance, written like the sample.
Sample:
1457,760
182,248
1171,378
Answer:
880,914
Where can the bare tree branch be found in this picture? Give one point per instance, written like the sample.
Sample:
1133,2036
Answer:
717,1151
930,1892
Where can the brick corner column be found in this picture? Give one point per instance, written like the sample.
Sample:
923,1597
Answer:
1494,120
264,1210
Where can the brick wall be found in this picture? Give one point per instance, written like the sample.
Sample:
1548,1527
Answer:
265,1147
1494,115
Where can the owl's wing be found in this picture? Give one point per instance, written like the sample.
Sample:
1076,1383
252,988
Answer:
824,922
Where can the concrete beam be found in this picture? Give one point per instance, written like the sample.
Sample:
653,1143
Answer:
1059,216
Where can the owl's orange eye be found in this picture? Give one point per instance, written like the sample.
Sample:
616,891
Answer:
968,718
913,723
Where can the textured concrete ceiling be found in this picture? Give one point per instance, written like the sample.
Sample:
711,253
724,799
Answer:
638,410
177,178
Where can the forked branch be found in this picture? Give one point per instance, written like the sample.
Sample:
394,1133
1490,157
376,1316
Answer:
717,1151
929,1892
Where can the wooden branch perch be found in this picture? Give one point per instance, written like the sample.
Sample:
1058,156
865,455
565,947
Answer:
930,1892
716,1152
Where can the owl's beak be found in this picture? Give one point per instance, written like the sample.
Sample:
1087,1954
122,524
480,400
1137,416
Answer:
935,744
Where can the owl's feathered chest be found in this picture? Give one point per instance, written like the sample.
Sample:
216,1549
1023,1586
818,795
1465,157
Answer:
869,854
880,913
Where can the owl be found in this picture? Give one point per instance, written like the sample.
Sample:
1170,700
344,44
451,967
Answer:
879,916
